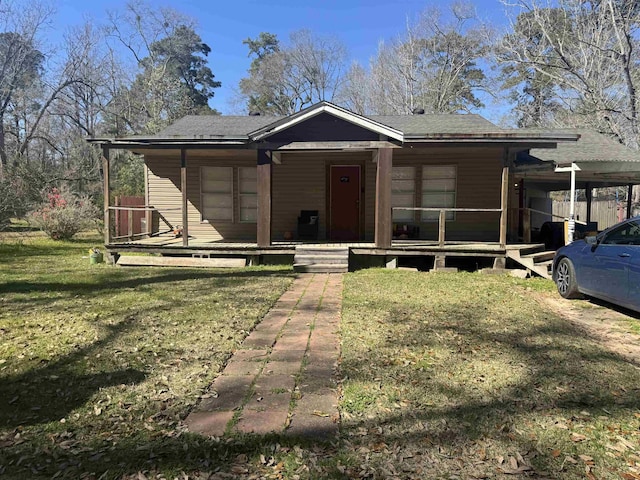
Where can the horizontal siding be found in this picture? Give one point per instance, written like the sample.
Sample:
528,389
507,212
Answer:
479,177
164,191
300,183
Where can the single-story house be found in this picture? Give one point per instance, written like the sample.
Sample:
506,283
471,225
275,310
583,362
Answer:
325,175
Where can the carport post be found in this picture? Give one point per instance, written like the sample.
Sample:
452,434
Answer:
572,204
629,197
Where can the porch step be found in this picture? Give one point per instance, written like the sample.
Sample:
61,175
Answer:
534,258
317,259
540,256
321,268
148,261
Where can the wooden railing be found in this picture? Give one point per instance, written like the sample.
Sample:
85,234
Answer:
149,224
526,221
442,218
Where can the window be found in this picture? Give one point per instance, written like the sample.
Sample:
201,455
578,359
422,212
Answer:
627,234
217,193
247,192
438,190
403,192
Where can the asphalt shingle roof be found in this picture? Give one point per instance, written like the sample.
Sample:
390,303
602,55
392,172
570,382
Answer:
222,126
591,147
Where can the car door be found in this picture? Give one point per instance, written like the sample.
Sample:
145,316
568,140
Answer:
633,299
606,267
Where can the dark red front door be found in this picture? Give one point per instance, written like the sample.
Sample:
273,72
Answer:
345,203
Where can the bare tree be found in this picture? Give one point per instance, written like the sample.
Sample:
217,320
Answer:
284,79
587,51
434,65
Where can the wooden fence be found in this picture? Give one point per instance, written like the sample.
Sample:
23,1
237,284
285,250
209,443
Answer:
605,212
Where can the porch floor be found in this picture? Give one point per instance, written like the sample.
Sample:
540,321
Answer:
390,256
197,246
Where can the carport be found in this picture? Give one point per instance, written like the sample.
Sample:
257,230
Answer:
594,161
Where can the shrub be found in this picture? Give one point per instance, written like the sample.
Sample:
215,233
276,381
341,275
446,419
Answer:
62,214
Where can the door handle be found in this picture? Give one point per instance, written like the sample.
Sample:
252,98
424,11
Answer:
624,255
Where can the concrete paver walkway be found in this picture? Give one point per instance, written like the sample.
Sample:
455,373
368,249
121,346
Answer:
283,377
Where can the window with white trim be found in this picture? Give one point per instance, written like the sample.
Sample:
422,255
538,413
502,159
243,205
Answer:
438,190
216,188
248,194
403,192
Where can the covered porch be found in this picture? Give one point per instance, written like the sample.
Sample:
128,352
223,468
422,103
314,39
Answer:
379,186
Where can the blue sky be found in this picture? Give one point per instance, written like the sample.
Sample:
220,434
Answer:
223,25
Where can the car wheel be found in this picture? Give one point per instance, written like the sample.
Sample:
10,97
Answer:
566,279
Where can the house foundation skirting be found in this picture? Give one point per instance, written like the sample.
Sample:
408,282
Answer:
429,256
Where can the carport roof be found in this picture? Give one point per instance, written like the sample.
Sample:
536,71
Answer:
591,147
601,160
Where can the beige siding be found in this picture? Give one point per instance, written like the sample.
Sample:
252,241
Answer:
164,191
479,173
300,183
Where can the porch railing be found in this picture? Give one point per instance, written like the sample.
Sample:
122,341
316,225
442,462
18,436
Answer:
148,224
526,221
442,218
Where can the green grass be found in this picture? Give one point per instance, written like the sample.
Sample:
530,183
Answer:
98,364
469,376
444,376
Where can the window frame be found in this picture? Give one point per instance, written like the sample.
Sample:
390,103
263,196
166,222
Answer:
450,216
203,193
241,195
411,217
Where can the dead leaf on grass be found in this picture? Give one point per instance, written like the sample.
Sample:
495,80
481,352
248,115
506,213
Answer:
578,437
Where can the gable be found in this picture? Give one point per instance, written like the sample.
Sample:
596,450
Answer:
324,128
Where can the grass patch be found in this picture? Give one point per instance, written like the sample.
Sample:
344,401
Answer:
465,375
99,365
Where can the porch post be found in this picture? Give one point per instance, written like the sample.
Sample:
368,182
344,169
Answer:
589,194
183,188
264,199
504,199
629,198
107,194
383,216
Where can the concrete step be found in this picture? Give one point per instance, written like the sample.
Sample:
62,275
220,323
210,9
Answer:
148,261
310,259
320,268
319,250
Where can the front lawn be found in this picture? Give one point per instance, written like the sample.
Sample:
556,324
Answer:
471,376
444,376
99,364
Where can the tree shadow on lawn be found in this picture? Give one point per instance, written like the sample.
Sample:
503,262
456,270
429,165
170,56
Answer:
553,370
114,281
184,452
51,392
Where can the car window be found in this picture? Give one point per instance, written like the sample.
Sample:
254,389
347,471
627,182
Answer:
627,234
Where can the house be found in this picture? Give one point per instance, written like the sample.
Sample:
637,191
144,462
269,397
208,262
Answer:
437,185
